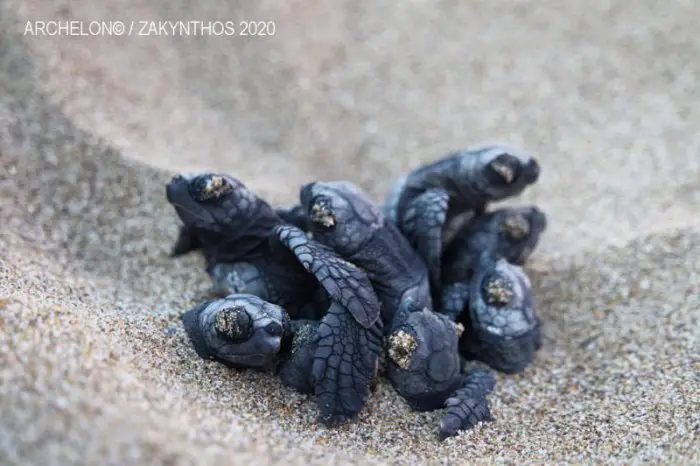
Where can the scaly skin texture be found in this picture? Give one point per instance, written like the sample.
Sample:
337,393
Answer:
425,203
423,363
241,331
428,373
349,336
468,405
422,347
346,220
248,248
501,327
509,233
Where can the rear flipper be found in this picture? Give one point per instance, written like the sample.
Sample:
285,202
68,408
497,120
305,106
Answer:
344,364
468,405
455,298
422,222
187,241
295,368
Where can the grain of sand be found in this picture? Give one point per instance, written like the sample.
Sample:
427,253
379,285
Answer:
94,365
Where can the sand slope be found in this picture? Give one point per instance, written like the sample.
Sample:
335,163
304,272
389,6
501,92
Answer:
94,366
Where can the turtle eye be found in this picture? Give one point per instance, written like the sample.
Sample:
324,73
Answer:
234,323
504,169
274,329
321,213
207,188
516,226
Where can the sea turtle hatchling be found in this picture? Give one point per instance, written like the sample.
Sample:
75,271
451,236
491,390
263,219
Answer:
421,350
424,364
501,326
511,233
249,250
245,332
241,331
429,203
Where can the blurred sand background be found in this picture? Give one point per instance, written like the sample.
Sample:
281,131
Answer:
94,365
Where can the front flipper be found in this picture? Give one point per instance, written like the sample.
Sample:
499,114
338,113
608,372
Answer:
187,241
344,364
468,405
422,222
344,282
350,333
455,298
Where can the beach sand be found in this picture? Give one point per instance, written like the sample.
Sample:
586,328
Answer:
94,365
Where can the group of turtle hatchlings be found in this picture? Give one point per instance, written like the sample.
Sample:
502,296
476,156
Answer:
318,290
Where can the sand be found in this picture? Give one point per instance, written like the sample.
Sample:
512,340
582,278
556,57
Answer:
94,365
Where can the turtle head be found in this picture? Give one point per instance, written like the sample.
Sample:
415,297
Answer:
342,216
502,171
521,228
220,215
208,201
501,327
423,357
241,330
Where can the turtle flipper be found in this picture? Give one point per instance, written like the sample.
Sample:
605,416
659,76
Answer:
187,241
468,405
344,364
455,298
349,336
344,282
422,222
